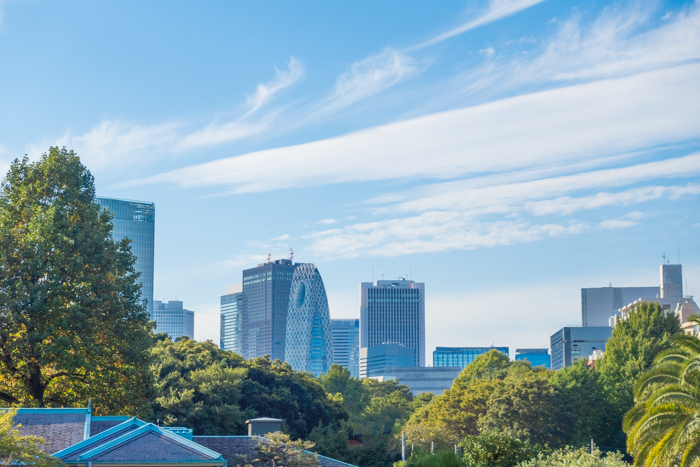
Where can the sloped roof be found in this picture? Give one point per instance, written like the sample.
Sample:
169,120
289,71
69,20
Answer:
98,424
74,452
60,428
150,444
232,446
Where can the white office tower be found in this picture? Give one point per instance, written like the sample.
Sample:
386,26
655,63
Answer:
392,313
346,344
172,318
671,281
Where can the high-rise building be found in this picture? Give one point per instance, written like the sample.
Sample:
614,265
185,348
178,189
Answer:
380,360
346,344
231,330
671,281
536,357
461,356
309,341
172,318
264,318
599,304
393,312
570,344
135,220
425,379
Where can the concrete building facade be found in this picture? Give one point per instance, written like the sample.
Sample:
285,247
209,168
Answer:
172,318
599,304
346,344
135,220
393,312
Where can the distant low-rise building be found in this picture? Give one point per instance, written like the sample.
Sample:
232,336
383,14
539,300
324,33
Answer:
570,344
172,318
536,357
382,359
461,356
422,379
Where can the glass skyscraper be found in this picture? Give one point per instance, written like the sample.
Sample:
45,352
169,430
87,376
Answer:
136,220
309,342
461,356
231,330
264,318
393,312
346,344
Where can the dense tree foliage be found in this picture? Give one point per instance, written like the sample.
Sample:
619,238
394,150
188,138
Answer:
442,458
664,425
72,321
496,449
278,450
214,391
568,457
16,449
628,353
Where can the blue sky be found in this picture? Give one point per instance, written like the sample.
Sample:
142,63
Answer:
506,153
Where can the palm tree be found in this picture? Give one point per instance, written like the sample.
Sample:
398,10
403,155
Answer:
664,426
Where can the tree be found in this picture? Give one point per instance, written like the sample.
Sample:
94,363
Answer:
568,457
630,351
277,450
663,426
16,449
338,380
214,391
496,449
530,407
73,324
586,402
441,458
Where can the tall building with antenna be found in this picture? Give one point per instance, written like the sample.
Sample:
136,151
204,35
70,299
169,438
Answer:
392,313
263,316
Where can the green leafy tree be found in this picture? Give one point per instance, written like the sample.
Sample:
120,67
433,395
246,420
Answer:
441,458
568,457
628,353
663,426
278,450
496,449
530,407
338,380
199,386
73,324
16,449
585,400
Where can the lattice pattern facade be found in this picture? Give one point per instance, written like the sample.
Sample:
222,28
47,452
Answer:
309,344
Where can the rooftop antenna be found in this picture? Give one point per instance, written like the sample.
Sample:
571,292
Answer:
372,274
664,258
291,254
269,254
679,255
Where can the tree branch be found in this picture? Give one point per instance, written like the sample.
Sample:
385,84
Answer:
8,398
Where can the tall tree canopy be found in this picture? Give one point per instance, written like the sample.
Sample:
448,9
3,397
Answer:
628,353
72,321
16,449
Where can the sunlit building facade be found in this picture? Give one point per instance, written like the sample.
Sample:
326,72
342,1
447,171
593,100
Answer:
172,318
346,344
461,356
231,327
309,342
135,220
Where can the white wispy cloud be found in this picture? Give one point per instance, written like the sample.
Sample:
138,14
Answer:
368,77
498,9
575,123
118,145
328,221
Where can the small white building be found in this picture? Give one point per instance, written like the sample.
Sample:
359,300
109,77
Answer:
173,319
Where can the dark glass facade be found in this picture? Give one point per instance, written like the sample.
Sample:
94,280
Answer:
461,356
135,220
577,343
264,318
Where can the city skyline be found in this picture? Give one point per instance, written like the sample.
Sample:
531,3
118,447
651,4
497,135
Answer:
465,146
